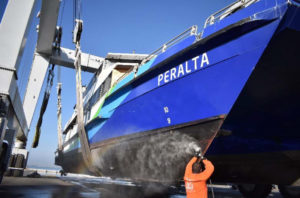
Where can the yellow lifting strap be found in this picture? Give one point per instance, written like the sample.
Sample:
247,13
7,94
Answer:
36,139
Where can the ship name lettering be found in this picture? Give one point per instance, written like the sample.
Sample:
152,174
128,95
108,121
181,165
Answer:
182,69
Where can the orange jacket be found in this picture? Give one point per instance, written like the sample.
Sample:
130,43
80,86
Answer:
195,184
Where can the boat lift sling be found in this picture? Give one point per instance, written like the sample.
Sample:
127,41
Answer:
85,148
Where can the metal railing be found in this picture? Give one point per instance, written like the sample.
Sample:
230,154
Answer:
190,31
219,15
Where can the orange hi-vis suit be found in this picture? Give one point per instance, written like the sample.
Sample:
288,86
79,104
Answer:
195,184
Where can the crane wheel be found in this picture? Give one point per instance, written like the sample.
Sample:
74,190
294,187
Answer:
11,163
289,191
255,190
3,160
19,164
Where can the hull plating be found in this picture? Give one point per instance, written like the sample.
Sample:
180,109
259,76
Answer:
264,121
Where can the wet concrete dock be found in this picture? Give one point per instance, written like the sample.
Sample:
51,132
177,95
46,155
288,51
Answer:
90,187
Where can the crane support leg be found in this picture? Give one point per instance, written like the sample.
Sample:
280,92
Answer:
3,120
37,75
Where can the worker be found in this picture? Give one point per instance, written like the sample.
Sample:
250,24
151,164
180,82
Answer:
197,172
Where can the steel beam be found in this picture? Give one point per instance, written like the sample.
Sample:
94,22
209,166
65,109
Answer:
126,57
16,117
47,27
13,31
66,57
36,78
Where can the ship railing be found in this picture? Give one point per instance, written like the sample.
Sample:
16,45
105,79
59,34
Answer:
190,31
226,11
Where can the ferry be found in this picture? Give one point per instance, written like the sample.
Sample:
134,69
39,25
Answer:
231,90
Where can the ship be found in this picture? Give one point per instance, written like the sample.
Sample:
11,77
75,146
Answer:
231,91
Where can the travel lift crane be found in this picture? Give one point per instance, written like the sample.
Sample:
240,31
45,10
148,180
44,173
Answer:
15,115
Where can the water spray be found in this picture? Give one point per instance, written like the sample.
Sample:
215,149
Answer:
198,153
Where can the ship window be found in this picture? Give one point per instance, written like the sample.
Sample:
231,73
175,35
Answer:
99,93
117,74
90,85
106,85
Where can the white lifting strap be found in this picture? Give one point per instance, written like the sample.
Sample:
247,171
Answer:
85,148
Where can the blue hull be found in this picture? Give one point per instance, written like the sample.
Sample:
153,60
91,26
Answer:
263,124
202,93
245,67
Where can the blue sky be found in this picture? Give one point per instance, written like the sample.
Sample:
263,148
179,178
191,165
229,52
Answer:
109,26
